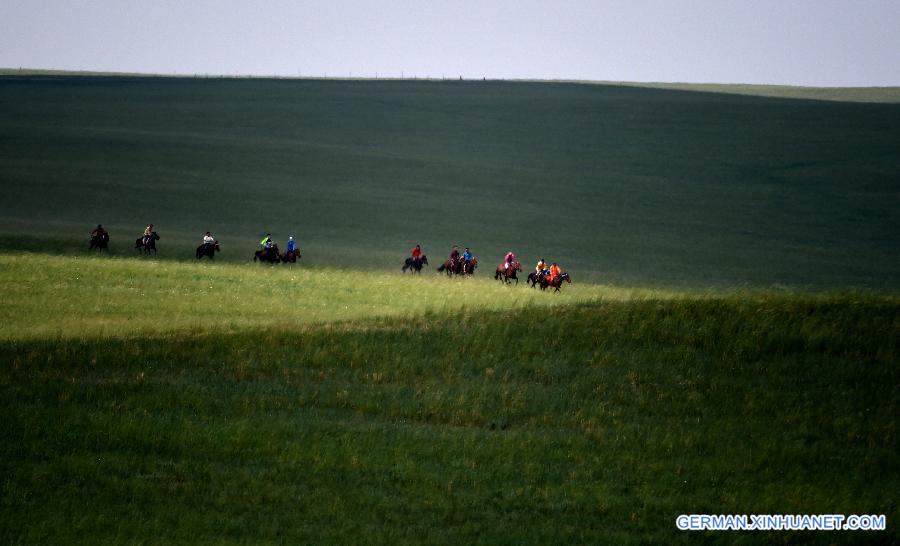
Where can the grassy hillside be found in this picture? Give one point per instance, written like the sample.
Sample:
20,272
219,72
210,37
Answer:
591,423
842,94
622,185
337,401
73,297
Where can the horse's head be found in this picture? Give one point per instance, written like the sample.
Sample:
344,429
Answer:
154,236
518,266
566,276
216,246
424,259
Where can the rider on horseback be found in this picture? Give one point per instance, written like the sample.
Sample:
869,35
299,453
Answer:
541,268
555,270
148,231
454,258
416,253
509,260
467,256
290,244
266,241
99,232
208,241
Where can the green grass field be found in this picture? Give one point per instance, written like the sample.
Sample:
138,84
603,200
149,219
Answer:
152,400
728,345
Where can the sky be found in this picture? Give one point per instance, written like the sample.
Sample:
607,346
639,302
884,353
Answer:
790,42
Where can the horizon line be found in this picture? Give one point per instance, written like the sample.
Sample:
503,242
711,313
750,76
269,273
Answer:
25,71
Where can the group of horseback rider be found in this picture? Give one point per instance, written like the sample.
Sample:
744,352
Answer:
208,246
459,264
456,263
466,262
268,244
549,273
269,252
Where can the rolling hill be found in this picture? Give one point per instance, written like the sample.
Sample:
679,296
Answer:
623,185
728,346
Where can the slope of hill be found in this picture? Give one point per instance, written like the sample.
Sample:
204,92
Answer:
622,185
592,423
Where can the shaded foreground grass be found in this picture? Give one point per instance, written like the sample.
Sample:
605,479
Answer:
597,422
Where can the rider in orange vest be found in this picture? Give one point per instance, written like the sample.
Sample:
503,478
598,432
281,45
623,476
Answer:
555,270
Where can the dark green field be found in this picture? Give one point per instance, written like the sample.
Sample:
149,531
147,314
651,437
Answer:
729,344
623,185
596,424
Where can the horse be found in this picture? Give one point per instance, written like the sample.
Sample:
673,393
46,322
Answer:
268,255
100,242
535,278
208,250
556,282
291,256
469,266
506,274
415,264
150,245
452,268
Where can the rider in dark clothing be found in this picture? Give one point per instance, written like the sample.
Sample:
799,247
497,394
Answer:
99,232
454,259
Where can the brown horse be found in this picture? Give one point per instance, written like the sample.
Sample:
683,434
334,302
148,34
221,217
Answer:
556,282
452,268
291,256
268,255
507,275
469,267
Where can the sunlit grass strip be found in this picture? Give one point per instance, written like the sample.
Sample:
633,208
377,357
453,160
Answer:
63,297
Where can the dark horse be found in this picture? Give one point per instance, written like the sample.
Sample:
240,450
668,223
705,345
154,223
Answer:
415,264
100,242
535,278
291,256
557,282
508,275
452,268
268,255
208,250
151,243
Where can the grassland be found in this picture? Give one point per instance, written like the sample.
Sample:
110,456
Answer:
185,403
622,185
728,345
885,95
65,297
